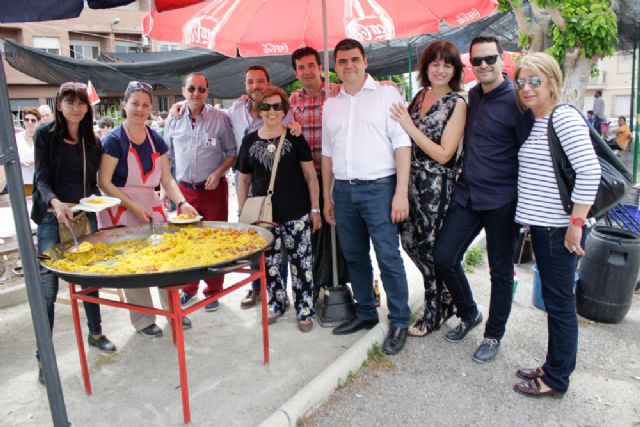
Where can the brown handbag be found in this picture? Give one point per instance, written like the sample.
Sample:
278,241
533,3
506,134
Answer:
259,209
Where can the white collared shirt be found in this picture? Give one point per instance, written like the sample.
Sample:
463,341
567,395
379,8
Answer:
359,134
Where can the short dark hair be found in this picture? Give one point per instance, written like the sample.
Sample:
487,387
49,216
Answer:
105,122
258,67
590,112
301,53
163,114
485,39
348,44
622,118
598,92
188,76
449,53
270,91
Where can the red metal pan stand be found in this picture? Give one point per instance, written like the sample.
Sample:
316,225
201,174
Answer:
175,315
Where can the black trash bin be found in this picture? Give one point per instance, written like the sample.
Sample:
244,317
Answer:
608,273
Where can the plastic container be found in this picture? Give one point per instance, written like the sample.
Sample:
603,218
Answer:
609,272
536,294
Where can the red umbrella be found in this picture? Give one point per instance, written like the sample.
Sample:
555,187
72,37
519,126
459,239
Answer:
277,27
509,58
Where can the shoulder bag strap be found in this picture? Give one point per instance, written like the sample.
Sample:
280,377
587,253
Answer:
276,160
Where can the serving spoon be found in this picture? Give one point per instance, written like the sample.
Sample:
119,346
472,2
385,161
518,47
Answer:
77,248
155,238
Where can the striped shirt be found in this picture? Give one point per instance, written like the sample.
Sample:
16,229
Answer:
538,195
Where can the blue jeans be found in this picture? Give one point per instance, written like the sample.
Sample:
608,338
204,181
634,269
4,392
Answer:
48,237
557,267
461,226
363,212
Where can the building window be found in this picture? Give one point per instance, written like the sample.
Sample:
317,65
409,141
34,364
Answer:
624,63
621,105
166,47
163,103
84,50
47,44
123,47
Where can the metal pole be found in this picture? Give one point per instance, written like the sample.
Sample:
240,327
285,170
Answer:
636,145
408,96
9,159
334,250
633,88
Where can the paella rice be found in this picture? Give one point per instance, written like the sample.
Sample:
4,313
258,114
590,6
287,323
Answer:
186,248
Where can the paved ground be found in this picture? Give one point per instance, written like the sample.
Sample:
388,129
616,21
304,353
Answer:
436,383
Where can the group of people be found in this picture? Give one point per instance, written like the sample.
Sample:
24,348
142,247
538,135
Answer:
429,177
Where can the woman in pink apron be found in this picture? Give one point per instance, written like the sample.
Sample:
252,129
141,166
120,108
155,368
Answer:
133,165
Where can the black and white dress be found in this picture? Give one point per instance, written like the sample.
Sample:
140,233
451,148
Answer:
430,188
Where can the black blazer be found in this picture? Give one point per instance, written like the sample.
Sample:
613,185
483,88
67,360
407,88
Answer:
49,165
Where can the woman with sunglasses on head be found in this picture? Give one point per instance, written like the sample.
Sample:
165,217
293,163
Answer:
435,122
67,156
557,238
24,141
296,208
134,164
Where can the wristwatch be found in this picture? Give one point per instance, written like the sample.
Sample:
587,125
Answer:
315,210
577,221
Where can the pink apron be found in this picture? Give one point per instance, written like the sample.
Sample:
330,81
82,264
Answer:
140,187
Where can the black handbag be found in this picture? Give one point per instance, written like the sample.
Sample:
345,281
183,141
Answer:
615,179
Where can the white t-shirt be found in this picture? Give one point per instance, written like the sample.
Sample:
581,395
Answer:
26,154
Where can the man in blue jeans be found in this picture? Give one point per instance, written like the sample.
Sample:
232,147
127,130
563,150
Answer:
485,197
369,156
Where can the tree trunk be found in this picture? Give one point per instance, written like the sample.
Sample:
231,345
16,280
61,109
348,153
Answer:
577,71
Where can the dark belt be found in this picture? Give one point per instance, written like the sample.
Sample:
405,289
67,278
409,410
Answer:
194,185
386,180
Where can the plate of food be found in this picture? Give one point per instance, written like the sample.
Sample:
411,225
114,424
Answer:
185,218
95,203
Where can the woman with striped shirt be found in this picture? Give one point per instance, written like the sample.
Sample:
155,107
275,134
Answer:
557,238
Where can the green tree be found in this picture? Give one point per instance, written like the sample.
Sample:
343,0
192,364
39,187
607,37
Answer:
577,33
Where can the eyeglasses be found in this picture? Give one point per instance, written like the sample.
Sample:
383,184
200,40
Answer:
476,61
266,106
192,89
135,85
30,120
534,82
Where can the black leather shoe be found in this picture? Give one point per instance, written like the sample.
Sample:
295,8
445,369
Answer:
152,331
354,325
394,342
102,343
463,328
487,350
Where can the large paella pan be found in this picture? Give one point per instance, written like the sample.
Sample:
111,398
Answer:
94,269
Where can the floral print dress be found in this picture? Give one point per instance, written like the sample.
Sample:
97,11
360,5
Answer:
430,188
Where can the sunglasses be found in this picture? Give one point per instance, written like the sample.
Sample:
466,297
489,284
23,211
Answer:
30,120
266,106
476,61
534,82
135,85
192,89
73,85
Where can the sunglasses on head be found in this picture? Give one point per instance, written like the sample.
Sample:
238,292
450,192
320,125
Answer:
73,85
476,61
534,82
135,85
192,89
265,106
30,120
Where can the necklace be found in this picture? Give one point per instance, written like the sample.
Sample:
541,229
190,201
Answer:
271,144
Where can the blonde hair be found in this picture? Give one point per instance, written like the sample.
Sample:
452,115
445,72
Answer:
547,66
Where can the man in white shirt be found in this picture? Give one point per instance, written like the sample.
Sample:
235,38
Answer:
369,156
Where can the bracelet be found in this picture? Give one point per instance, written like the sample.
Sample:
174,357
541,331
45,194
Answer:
577,221
181,203
315,210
